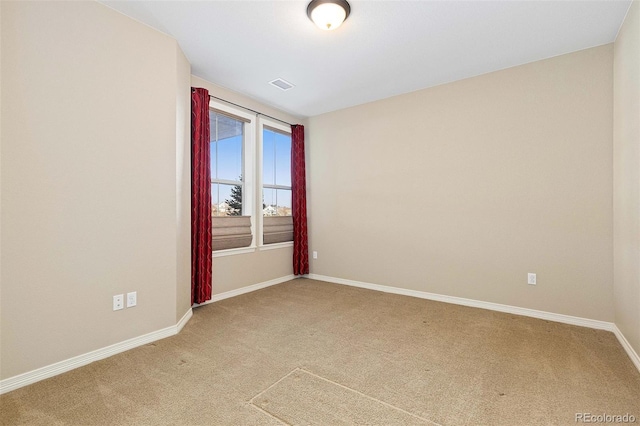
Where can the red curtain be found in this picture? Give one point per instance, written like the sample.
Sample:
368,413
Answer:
299,200
201,255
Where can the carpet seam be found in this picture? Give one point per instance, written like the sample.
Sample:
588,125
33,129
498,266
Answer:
337,384
275,383
251,404
265,390
368,397
364,395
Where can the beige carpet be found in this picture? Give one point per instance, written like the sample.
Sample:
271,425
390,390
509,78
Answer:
303,398
308,352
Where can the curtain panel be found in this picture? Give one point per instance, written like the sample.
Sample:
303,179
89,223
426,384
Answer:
201,255
299,201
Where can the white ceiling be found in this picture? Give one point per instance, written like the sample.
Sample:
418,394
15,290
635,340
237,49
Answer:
384,48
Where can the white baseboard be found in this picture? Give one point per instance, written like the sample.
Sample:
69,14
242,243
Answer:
635,358
183,321
247,289
584,322
42,373
15,382
24,379
549,316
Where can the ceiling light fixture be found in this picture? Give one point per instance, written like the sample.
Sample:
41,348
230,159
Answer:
328,14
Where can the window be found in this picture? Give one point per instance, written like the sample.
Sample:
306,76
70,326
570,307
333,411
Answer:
227,141
276,183
231,148
250,181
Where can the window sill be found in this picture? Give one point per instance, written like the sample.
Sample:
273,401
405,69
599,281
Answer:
275,246
231,252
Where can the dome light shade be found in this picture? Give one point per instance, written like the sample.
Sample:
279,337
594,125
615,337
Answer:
328,14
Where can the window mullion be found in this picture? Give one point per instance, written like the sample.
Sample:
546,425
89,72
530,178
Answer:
275,170
227,182
277,187
217,156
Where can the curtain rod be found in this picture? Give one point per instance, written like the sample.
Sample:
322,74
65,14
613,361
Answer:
249,109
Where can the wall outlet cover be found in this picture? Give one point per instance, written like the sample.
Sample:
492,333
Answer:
118,302
132,299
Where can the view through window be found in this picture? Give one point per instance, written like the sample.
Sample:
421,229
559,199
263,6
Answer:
226,164
276,173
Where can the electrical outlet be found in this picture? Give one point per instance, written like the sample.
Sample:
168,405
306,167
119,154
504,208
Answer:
118,302
132,299
315,254
531,279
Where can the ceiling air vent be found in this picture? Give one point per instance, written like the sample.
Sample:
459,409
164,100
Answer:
281,84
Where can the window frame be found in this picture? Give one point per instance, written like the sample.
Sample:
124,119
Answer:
242,158
269,124
248,172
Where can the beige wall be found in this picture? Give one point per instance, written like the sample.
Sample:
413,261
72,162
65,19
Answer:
459,189
1,185
626,177
183,184
241,270
89,192
464,188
